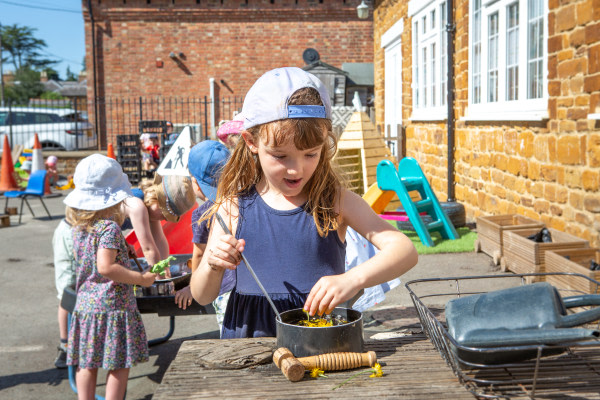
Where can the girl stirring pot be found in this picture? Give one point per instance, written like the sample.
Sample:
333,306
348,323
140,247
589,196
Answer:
289,212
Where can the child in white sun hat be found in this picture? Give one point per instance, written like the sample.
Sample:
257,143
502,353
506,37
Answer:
106,327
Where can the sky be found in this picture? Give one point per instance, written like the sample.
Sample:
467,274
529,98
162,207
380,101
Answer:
58,22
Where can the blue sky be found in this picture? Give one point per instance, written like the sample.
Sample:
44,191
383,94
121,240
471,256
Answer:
58,22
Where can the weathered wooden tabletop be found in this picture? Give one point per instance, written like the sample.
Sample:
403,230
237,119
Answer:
412,368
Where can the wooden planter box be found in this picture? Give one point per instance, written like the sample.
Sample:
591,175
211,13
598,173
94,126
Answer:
524,256
11,211
4,220
490,232
577,261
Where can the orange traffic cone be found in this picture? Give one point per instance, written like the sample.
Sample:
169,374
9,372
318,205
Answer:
7,173
37,162
110,152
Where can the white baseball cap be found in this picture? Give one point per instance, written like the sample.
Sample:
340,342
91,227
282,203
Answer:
99,184
267,100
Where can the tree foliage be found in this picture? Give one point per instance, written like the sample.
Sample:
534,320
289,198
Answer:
23,48
26,85
70,75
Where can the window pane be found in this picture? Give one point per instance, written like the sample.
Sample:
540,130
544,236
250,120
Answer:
433,71
535,27
432,17
512,51
493,57
424,83
443,62
476,57
416,101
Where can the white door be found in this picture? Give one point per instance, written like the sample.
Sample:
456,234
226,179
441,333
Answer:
393,91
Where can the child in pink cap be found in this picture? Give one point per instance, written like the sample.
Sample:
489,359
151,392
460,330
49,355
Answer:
230,131
52,173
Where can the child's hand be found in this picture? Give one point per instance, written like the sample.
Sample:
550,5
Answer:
183,297
148,278
328,293
227,253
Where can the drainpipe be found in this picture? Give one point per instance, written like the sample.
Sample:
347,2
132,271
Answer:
212,108
450,28
89,2
1,72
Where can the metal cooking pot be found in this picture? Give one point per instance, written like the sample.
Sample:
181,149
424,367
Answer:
305,341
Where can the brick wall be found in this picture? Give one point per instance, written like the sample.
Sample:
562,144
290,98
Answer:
231,41
547,170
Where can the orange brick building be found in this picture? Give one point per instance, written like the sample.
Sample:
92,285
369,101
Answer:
526,103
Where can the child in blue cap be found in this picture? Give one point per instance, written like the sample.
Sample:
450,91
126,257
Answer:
288,210
205,162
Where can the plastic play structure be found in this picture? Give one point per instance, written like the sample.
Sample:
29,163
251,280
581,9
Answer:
409,178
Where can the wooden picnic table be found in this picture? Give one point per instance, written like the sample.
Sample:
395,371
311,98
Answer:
412,368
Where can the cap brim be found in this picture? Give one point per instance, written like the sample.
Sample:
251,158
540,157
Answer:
209,191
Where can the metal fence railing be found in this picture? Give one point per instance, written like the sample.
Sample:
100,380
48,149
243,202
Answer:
78,124
59,124
117,116
75,124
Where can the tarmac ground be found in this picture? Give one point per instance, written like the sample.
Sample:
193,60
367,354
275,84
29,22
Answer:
29,311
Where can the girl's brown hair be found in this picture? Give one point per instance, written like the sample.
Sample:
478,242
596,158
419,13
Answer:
150,196
84,219
243,170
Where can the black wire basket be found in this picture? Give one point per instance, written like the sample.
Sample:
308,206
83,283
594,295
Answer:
570,369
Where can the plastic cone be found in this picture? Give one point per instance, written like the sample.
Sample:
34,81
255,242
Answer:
7,172
110,152
37,158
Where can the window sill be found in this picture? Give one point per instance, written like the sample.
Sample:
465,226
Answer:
595,116
527,115
427,115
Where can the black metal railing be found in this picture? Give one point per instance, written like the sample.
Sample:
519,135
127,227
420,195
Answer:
60,124
75,124
121,115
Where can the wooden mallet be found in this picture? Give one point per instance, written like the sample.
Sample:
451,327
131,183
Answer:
293,368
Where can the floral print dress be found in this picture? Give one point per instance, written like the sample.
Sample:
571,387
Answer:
106,327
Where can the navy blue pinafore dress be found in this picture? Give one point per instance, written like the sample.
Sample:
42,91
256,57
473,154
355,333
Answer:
288,256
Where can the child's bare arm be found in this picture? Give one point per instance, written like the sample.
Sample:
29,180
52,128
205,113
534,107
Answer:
107,267
197,253
397,255
138,214
222,252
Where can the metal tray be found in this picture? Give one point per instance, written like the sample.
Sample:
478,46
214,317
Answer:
574,373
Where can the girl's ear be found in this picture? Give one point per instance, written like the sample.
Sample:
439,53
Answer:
194,183
250,141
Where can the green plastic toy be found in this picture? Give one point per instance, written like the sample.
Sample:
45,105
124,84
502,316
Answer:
159,267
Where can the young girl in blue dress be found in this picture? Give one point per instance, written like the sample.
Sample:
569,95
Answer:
106,327
289,212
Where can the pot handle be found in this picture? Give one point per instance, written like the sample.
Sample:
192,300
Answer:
584,316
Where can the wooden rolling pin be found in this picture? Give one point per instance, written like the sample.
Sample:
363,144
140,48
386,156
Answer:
293,368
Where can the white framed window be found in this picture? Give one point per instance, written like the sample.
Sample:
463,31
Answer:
429,59
508,55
